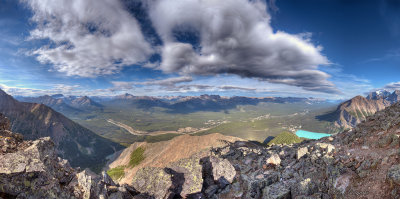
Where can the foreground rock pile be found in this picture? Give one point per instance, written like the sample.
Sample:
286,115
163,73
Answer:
31,169
362,163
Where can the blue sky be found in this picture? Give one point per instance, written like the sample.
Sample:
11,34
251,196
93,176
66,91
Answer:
304,48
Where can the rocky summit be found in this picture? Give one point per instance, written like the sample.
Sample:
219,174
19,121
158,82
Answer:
361,163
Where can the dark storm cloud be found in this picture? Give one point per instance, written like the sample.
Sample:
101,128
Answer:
236,38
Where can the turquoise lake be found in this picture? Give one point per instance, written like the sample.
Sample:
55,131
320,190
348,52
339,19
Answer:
311,135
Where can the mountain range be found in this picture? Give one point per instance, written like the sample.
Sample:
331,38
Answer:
175,104
66,105
75,143
350,113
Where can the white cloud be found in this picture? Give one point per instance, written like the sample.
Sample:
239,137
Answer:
392,86
51,90
88,37
235,37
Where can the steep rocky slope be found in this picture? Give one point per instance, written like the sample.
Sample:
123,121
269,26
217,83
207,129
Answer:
356,110
352,112
362,163
79,145
31,169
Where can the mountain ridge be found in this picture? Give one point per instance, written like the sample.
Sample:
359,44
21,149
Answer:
79,145
352,112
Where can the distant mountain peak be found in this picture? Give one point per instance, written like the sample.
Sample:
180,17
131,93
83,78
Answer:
356,110
378,94
57,96
125,96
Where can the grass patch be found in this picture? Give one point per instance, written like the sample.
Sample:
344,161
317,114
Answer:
285,138
116,173
137,156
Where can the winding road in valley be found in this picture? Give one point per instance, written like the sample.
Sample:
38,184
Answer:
137,132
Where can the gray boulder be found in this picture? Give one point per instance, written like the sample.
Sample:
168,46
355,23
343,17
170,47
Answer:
222,168
187,176
276,191
393,174
156,182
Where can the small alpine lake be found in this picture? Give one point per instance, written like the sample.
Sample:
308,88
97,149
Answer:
311,135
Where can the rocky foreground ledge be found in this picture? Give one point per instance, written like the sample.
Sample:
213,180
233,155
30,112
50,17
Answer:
31,169
362,163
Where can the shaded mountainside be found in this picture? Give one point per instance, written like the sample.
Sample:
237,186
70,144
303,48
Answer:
350,113
79,145
362,163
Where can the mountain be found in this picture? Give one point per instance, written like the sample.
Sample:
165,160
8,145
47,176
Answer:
143,102
75,143
85,103
379,94
350,113
394,97
57,96
67,105
355,110
57,104
187,104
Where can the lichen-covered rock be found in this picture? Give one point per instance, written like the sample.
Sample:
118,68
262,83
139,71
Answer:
31,169
156,182
222,169
393,174
86,183
187,176
329,147
276,191
9,141
34,172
